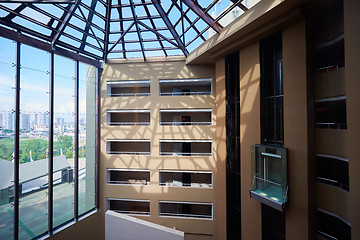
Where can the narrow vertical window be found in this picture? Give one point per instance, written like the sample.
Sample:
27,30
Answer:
271,90
232,84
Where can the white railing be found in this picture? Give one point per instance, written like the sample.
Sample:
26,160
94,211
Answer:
184,93
185,215
326,236
333,183
332,125
140,182
194,185
183,154
127,123
131,153
131,212
184,123
129,94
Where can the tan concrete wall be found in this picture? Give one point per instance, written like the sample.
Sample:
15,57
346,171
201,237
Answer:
330,84
331,141
352,73
155,71
89,228
249,135
333,199
221,148
296,132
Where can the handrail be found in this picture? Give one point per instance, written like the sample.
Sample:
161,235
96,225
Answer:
129,183
333,183
183,154
170,184
322,234
125,152
127,123
184,123
128,94
130,212
184,93
328,125
185,215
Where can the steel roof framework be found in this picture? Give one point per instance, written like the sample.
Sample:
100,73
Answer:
107,29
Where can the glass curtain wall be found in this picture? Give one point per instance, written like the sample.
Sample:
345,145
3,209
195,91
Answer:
34,142
7,127
87,143
63,148
46,138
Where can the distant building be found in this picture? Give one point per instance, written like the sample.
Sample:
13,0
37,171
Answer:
9,121
1,120
60,120
25,121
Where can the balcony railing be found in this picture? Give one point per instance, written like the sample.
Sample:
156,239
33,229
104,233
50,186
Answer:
184,123
129,94
135,182
184,93
185,215
332,125
184,154
126,152
323,235
128,123
333,183
193,185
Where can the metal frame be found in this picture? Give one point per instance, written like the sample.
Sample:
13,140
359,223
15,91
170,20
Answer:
62,29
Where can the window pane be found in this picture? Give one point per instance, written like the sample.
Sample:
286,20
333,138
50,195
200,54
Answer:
34,143
7,118
87,117
63,140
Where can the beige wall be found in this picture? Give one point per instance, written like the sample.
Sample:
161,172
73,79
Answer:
352,73
301,206
249,135
89,228
221,148
155,71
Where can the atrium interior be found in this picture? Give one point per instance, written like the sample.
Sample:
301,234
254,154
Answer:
179,119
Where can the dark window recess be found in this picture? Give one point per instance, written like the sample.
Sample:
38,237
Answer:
186,119
333,171
271,90
330,56
331,114
331,227
232,84
273,223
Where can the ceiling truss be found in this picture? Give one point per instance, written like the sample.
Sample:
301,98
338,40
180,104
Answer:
104,29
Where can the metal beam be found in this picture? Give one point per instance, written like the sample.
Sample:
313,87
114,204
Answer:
158,34
169,25
39,1
51,147
33,42
65,22
122,35
76,144
10,16
88,20
137,28
82,46
154,26
240,5
203,15
119,9
107,30
16,145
